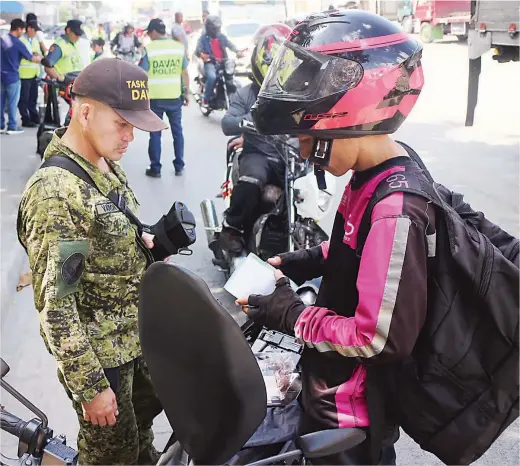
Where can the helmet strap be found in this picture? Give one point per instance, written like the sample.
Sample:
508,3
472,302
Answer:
320,154
319,173
320,157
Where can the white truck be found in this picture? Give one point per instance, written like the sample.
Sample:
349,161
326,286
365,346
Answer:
494,25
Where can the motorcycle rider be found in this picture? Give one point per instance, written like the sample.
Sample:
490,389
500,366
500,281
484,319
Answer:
260,162
126,43
339,86
212,50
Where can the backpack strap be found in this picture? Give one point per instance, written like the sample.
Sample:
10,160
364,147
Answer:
66,163
414,181
414,156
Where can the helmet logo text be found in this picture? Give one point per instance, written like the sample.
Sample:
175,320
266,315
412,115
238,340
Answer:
323,116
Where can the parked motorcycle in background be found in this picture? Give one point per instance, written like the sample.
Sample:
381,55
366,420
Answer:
50,114
288,218
225,86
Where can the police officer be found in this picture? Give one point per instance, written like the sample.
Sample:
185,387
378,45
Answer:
64,55
29,71
167,66
87,260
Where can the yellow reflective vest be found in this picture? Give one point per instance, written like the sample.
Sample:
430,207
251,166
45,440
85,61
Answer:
28,69
70,60
165,73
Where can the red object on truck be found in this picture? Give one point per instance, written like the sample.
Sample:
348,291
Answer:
439,17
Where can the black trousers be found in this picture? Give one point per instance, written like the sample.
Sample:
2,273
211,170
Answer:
27,105
255,172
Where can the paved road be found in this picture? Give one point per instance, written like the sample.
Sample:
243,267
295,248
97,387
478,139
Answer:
482,162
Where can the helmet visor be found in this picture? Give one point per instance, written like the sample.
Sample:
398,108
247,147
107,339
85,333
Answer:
299,74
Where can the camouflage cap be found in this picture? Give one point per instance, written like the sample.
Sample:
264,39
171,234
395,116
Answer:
123,87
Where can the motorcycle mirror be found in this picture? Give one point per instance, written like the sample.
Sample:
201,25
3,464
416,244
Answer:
248,126
5,368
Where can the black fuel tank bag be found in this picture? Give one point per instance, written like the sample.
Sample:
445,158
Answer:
174,232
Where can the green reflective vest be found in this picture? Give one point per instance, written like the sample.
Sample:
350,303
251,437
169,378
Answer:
164,76
28,69
70,60
103,55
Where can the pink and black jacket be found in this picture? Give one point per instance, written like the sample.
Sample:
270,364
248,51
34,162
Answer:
370,309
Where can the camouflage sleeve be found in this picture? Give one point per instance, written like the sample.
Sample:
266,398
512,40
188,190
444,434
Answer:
57,247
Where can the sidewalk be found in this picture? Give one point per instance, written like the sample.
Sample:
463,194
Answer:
18,162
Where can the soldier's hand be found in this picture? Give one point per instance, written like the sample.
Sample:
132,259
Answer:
147,239
102,410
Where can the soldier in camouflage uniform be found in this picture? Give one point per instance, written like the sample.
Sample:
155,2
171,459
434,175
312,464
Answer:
87,260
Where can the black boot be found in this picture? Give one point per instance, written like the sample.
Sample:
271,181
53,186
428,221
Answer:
244,202
231,240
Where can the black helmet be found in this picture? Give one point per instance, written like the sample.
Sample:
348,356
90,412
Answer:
267,41
213,25
341,74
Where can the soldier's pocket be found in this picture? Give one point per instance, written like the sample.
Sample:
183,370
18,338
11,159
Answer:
115,224
114,243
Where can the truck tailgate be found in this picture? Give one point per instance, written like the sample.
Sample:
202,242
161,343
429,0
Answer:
447,8
497,15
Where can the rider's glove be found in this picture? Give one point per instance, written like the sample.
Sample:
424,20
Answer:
279,310
303,265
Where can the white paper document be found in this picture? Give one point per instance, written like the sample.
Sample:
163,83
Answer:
253,276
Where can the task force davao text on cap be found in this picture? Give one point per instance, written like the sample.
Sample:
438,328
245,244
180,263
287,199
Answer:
123,87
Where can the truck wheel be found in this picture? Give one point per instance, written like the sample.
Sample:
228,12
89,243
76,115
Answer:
426,33
407,24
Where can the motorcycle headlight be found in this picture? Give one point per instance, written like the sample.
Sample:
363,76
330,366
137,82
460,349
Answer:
324,200
229,67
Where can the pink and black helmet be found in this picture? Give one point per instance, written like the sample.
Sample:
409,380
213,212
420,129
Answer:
341,74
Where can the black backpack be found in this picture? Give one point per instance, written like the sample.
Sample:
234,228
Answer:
458,391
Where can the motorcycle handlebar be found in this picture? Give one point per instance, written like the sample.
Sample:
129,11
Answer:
11,423
249,127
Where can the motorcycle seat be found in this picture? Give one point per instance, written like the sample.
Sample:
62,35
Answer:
201,365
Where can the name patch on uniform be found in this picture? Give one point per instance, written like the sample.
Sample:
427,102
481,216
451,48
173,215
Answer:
106,208
139,89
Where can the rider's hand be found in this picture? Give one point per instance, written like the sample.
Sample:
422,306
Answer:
204,57
241,53
301,265
236,143
186,99
279,310
147,239
102,410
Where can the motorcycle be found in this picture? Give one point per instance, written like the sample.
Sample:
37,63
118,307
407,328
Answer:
225,86
287,218
51,115
214,406
132,57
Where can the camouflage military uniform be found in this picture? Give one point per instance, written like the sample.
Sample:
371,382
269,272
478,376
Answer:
86,266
